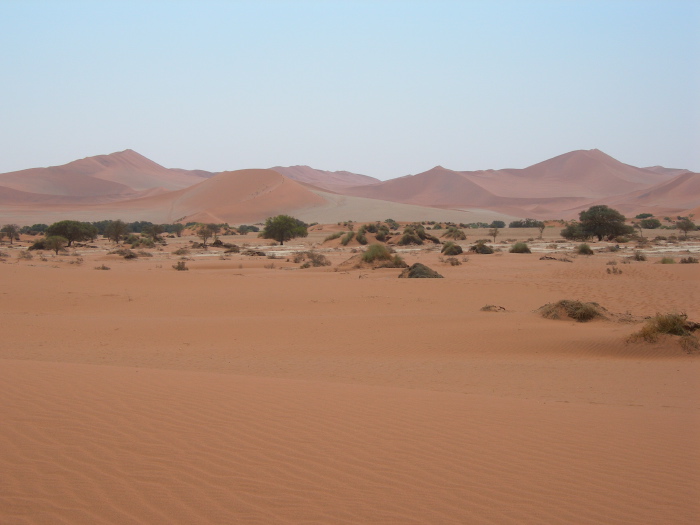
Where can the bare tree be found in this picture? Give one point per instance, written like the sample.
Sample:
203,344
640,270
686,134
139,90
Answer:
493,232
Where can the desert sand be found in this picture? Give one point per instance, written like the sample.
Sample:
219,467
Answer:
248,390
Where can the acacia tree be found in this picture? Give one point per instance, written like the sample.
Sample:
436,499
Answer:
12,231
153,231
602,221
493,232
178,228
72,231
283,228
204,232
115,230
55,243
685,225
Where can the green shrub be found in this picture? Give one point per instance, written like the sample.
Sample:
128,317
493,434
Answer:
454,233
481,247
519,247
181,251
376,252
667,260
333,236
450,248
689,260
583,249
348,237
38,245
671,324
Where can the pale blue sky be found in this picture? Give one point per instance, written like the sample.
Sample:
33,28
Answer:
384,88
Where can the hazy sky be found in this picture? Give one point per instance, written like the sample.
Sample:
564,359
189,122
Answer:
383,88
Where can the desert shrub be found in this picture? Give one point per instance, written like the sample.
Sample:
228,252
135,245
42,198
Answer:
25,256
481,247
376,252
667,260
492,308
639,256
314,259
614,271
611,263
233,249
181,251
583,249
671,324
622,239
454,233
519,247
577,310
180,266
360,235
144,253
347,238
613,248
39,244
689,260
451,248
334,236
102,267
453,261
420,271
372,227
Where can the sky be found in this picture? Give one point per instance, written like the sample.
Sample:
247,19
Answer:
383,88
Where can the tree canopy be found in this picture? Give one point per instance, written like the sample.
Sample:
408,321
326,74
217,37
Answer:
72,231
12,231
283,228
599,221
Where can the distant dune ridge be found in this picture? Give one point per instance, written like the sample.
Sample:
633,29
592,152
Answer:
127,185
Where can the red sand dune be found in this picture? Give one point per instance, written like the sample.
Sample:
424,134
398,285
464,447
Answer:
325,180
125,172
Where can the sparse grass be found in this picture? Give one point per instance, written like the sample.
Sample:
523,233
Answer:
181,266
181,251
520,247
672,324
583,249
347,238
314,259
334,236
667,260
689,260
639,256
576,310
25,256
144,253
102,267
614,271
453,261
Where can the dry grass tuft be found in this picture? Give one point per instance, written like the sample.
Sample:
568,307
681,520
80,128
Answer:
576,310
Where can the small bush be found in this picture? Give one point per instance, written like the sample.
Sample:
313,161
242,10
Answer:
450,248
376,252
38,245
348,237
577,310
667,260
25,256
314,259
124,252
671,324
181,251
453,261
180,266
520,247
333,236
420,271
583,249
233,249
639,256
102,267
481,247
689,260
144,253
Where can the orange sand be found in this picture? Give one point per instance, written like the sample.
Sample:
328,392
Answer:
240,393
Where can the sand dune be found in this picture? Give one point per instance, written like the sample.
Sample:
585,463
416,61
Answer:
127,185
235,393
325,180
125,172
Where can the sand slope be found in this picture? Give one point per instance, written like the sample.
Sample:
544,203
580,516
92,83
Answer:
322,179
